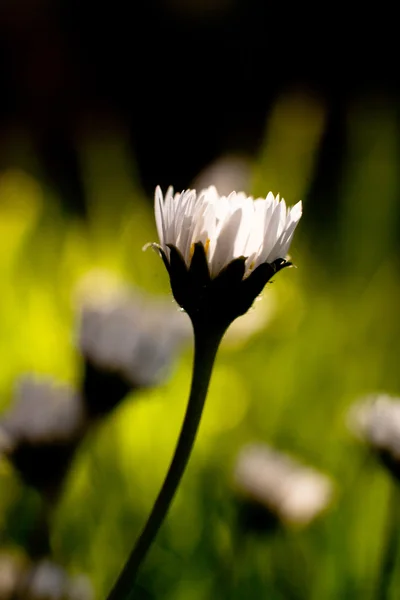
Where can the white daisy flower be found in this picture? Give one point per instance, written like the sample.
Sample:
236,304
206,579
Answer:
229,227
220,251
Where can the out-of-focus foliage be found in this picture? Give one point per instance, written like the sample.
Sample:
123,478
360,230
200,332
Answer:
332,334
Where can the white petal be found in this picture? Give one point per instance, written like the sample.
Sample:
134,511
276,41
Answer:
245,228
183,210
186,228
203,226
223,252
296,211
282,217
256,232
270,233
158,210
168,215
228,226
282,245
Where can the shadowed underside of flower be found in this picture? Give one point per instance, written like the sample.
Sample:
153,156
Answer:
223,298
221,251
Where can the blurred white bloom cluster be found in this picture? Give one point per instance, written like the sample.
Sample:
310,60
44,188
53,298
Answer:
292,493
376,420
43,411
226,173
41,430
45,580
129,333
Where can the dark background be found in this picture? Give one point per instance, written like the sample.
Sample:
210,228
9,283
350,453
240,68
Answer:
186,80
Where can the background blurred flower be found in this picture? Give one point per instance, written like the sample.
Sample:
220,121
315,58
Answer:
228,172
376,420
42,580
272,482
129,341
11,569
40,431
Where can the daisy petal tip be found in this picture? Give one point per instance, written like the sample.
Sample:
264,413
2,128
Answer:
297,210
270,197
210,191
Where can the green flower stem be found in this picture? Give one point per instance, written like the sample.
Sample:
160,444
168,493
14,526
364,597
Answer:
206,343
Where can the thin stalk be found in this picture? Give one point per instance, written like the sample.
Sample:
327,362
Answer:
390,543
206,345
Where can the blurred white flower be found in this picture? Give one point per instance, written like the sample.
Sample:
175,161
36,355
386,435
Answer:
41,430
46,580
229,227
44,411
228,172
11,568
376,420
293,493
130,333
